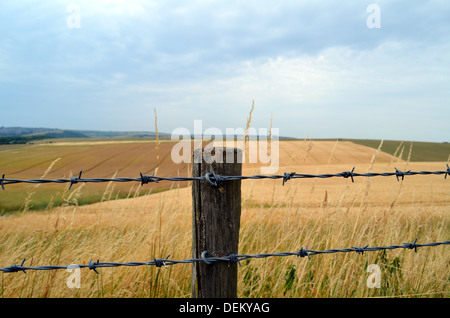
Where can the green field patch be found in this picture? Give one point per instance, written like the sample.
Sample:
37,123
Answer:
420,151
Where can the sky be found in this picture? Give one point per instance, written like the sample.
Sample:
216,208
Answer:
317,69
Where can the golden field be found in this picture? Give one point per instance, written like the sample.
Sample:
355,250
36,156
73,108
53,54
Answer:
317,213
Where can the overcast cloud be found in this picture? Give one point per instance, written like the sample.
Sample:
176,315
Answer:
314,65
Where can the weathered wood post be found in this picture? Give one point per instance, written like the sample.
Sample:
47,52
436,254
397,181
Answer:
216,213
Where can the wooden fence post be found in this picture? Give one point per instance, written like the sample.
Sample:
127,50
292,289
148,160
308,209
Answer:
216,213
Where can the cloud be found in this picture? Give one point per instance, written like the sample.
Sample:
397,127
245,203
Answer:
315,65
335,93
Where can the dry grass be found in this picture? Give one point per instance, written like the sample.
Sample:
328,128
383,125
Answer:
319,213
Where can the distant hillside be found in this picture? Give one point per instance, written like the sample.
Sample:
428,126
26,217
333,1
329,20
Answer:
18,135
21,131
22,135
121,134
29,134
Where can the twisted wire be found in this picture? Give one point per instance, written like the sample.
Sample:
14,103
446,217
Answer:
216,179
232,258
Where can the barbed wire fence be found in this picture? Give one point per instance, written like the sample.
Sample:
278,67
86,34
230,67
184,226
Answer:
232,258
217,180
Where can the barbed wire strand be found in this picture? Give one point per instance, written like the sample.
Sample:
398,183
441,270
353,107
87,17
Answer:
232,258
216,179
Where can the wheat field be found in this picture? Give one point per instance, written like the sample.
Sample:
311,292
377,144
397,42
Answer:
317,213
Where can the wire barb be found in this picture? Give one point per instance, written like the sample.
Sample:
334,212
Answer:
15,268
402,174
161,262
447,172
93,266
287,176
411,245
360,250
303,252
146,179
3,178
347,174
74,179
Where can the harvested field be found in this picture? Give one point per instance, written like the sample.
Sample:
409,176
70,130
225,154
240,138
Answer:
318,213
